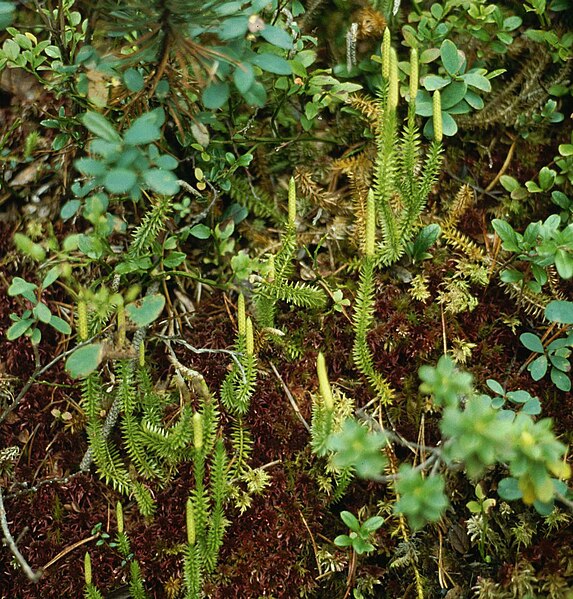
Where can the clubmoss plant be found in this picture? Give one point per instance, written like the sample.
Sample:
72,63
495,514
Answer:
276,286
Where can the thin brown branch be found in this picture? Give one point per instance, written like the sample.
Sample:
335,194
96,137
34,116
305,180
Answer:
33,576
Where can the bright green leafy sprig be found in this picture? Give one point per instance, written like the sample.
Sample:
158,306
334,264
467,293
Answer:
90,591
542,244
356,446
445,382
422,500
536,455
360,534
476,435
276,286
27,323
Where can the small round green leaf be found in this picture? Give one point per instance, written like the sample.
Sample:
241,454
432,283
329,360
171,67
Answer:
200,231
532,342
120,180
215,95
42,312
161,181
146,310
508,489
84,360
560,380
69,209
133,80
272,64
100,126
495,387
560,311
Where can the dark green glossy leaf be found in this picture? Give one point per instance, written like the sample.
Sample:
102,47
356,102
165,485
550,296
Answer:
272,64
277,37
133,80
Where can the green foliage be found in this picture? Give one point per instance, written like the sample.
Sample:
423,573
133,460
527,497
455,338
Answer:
355,447
27,323
459,90
492,25
536,455
445,382
554,354
528,404
275,286
182,73
123,166
7,10
542,244
422,500
56,54
402,180
239,384
417,250
476,434
363,320
90,591
330,412
481,508
360,535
